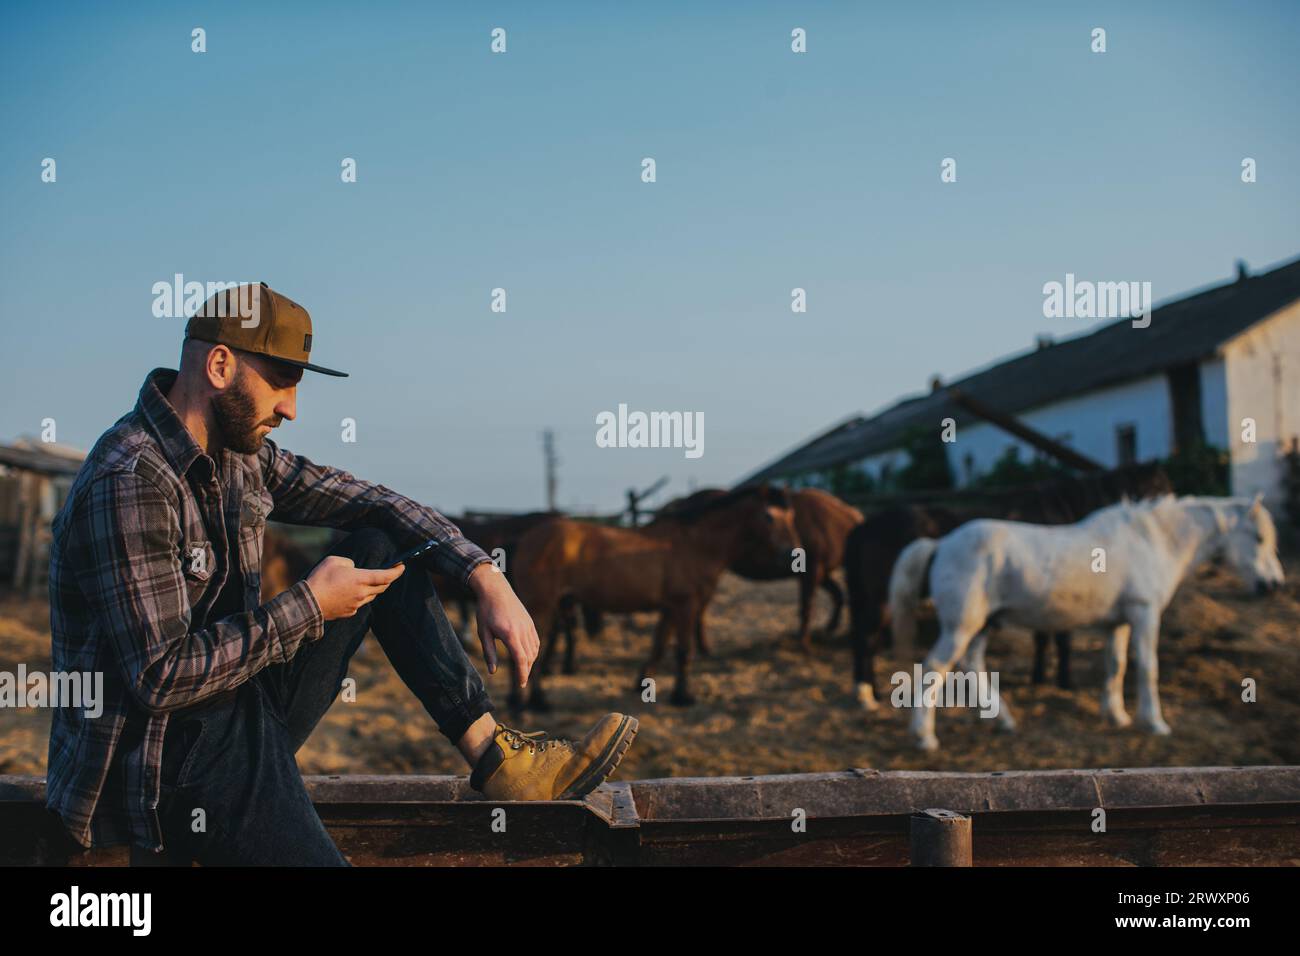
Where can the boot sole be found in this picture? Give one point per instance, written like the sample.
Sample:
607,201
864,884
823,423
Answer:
606,763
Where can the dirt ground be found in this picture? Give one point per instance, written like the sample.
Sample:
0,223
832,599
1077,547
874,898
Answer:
766,708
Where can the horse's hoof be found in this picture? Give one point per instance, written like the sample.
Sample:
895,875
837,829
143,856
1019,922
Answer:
867,697
1157,727
1119,720
682,699
1005,726
929,743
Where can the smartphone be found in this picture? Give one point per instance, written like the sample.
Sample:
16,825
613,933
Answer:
406,557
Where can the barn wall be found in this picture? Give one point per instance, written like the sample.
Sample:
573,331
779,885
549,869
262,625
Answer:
1214,402
873,465
1263,383
1086,423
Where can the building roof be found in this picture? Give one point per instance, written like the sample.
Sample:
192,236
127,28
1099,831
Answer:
25,455
1185,330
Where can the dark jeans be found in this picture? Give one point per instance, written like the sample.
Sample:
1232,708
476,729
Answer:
234,759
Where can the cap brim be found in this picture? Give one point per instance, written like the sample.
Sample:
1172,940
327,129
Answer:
309,367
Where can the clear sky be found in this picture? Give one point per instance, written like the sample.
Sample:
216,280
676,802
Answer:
522,170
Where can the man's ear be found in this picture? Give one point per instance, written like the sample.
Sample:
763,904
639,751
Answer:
222,366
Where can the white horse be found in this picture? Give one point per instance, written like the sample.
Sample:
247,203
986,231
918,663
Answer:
1118,568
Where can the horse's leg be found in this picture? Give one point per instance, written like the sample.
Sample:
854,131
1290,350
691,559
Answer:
701,644
867,635
466,640
684,620
832,587
593,621
548,624
1112,691
978,664
656,651
570,636
1063,661
952,644
1040,657
807,591
1146,633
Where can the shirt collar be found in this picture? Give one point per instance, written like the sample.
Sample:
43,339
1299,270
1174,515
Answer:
177,443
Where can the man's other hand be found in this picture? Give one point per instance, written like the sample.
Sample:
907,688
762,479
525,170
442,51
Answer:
501,617
342,589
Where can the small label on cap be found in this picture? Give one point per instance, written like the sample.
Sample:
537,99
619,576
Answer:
306,342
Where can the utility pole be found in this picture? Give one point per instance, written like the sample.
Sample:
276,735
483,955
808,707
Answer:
552,462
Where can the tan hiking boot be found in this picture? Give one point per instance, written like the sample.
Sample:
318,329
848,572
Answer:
519,766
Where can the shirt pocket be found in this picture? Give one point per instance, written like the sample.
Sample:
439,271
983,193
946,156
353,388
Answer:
255,508
198,562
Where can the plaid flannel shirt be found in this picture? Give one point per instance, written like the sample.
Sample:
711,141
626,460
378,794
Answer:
141,550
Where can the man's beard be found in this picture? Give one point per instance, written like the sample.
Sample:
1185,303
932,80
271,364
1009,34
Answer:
235,415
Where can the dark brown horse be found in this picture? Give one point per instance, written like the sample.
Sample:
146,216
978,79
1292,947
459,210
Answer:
823,523
874,545
672,567
498,537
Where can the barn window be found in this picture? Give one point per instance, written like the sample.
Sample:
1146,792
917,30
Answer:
1126,444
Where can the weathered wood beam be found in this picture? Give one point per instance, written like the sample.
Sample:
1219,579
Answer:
1154,816
1009,423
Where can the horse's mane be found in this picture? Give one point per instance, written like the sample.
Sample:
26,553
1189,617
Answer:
693,507
1162,504
1069,499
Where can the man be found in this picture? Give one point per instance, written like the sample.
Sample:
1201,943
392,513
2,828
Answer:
154,581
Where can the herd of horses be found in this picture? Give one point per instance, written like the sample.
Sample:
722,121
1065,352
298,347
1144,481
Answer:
570,573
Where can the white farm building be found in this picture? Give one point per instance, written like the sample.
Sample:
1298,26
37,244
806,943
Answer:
1118,395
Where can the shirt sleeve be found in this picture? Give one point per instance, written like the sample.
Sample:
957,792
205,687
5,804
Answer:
134,581
307,493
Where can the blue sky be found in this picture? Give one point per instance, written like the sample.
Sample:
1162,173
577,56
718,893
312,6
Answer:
522,171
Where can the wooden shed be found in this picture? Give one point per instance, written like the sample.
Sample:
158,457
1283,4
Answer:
34,481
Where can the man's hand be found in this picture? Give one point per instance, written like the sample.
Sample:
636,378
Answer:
342,589
501,617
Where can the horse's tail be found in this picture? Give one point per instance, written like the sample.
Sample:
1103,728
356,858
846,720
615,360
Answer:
906,584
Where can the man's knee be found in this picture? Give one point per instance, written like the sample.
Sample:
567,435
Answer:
368,548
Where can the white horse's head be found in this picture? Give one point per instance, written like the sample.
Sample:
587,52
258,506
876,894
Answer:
1250,544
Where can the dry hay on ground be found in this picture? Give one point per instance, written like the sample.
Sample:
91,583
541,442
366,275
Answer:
765,708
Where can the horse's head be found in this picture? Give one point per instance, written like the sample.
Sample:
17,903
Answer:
767,514
1251,545
758,521
779,514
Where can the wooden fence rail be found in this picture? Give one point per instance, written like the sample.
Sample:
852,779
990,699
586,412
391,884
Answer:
1163,817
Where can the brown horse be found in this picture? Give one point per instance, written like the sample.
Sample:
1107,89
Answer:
498,537
823,523
672,567
285,562
874,546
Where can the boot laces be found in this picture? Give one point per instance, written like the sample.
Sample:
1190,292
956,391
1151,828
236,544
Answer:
536,742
